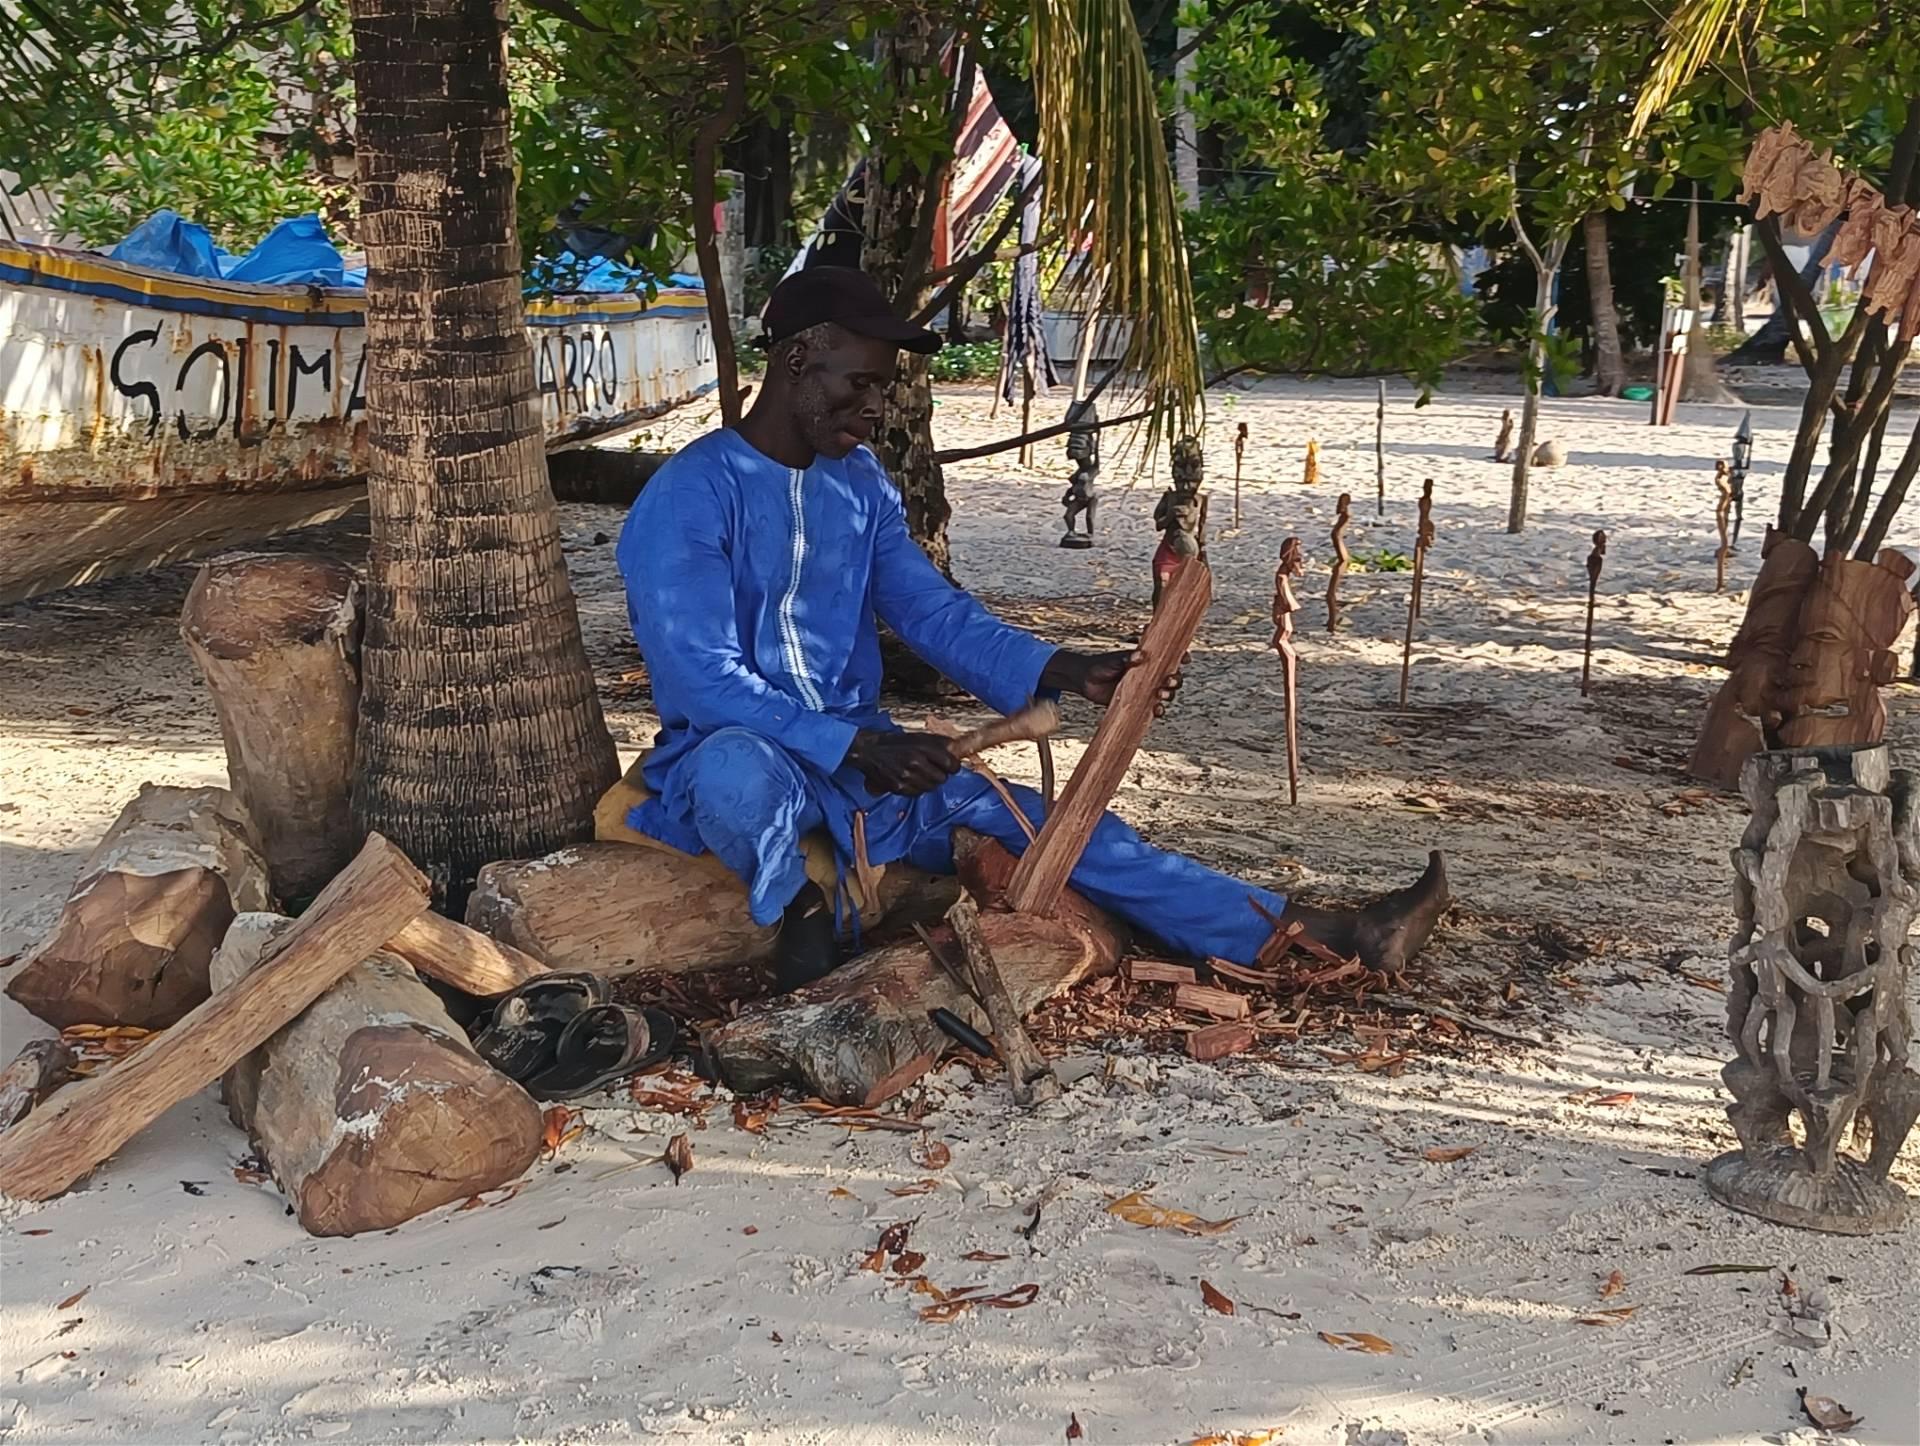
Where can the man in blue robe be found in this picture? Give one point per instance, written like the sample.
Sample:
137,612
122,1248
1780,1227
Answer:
757,561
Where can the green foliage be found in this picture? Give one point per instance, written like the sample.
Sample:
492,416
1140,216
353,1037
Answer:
232,114
1303,262
966,362
1384,560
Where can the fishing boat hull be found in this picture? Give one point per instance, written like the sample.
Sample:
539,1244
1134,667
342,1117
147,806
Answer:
147,418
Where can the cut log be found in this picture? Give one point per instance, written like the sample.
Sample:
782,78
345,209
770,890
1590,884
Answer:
1204,999
1217,1041
370,1108
614,908
1045,867
36,1072
863,1034
371,900
1028,1072
277,636
463,957
1158,971
133,942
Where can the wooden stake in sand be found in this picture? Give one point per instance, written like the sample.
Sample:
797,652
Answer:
1343,517
1380,449
1292,563
1042,874
1595,561
1721,509
1239,454
1422,540
372,899
1311,477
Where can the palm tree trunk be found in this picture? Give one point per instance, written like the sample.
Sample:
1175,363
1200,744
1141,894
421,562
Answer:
1609,370
481,735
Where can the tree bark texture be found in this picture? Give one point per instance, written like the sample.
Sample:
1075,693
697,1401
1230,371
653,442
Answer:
706,244
481,735
1543,308
133,942
1700,375
1609,369
277,637
371,1108
900,198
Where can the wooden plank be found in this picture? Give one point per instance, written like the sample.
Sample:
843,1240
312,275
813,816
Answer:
463,957
1217,1041
1027,1069
371,900
1045,868
1204,999
1158,971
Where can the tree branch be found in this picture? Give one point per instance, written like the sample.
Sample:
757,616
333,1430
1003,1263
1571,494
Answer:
966,270
706,146
1787,283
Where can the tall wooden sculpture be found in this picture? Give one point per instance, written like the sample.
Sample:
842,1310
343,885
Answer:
1422,540
1293,563
1721,510
1239,455
1343,517
1380,451
1826,880
1180,515
1503,444
1596,560
1809,661
1083,450
1312,476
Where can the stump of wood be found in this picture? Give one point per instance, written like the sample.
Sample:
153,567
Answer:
132,944
40,1068
370,1108
277,636
615,908
862,1034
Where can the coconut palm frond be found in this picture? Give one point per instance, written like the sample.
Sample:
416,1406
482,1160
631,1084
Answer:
1691,38
1109,184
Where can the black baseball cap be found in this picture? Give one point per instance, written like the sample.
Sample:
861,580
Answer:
846,297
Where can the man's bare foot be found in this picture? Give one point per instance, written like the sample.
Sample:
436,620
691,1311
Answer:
1394,926
1388,932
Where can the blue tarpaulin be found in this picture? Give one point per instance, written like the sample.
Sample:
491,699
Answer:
297,253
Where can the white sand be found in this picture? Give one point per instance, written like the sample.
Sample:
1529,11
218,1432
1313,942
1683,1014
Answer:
606,1302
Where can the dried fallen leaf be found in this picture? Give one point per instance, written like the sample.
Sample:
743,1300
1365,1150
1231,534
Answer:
1622,1097
499,1196
750,1230
754,1122
919,1187
1358,1341
558,1126
71,1301
1136,1209
679,1156
1827,1413
931,1155
1215,1300
907,1262
1728,1270
1613,1285
247,1175
954,1306
982,1255
1614,1315
893,1239
875,1260
776,1338
1074,1433
1787,1287
841,1192
1447,1154
49,1232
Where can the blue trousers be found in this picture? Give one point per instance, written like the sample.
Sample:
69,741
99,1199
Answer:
752,802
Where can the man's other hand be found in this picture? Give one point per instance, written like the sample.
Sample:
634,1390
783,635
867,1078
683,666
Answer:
903,763
1095,676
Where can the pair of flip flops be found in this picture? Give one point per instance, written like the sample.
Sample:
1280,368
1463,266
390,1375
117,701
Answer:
559,1037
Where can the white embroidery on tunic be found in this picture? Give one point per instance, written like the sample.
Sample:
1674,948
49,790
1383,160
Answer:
789,629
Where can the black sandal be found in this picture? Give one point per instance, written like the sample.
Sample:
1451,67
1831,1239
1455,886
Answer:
601,1046
522,1036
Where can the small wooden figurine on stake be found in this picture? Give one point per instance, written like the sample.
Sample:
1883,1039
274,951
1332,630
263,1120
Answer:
1312,477
1342,517
1178,514
1503,444
1422,540
1083,450
1595,561
1239,453
1380,451
1293,563
1721,510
